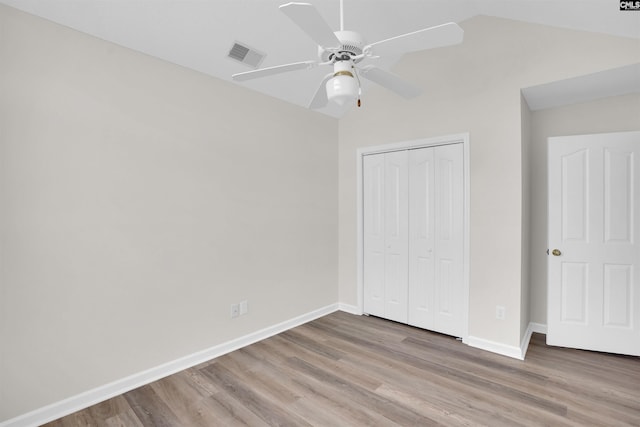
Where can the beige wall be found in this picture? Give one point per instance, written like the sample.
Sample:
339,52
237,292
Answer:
614,114
475,87
138,200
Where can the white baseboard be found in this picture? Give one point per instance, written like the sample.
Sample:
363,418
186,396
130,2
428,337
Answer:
91,397
508,350
495,347
538,328
533,327
348,308
524,344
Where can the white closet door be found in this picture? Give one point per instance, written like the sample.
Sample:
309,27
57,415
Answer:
421,238
396,231
436,239
373,221
413,237
449,238
385,235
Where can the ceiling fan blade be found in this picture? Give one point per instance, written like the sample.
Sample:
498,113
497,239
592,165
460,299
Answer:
390,81
428,38
306,16
320,98
270,71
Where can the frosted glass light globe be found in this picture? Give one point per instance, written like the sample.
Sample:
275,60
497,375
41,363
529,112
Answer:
342,87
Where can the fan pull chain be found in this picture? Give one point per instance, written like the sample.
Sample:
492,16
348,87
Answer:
359,84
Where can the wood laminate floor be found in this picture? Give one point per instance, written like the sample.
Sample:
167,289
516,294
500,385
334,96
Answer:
346,370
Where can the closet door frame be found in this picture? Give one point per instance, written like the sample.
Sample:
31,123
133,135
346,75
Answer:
463,139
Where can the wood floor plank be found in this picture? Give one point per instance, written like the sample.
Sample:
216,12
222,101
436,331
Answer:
346,370
397,413
265,408
185,400
231,412
127,418
287,350
150,409
320,395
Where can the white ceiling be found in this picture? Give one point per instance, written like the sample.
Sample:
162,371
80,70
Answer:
198,34
617,81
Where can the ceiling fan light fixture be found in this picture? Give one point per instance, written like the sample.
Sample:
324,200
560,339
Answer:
342,87
344,50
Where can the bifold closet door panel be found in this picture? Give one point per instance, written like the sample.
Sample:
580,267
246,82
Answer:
373,223
436,239
396,231
449,238
385,199
421,238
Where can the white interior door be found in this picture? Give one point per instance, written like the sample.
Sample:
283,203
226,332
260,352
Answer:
594,203
436,237
385,198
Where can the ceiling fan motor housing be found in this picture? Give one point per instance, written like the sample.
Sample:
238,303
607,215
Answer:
351,45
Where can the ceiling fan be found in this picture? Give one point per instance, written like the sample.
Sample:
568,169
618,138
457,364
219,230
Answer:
345,50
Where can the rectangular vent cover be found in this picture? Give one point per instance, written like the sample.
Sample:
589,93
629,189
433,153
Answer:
246,55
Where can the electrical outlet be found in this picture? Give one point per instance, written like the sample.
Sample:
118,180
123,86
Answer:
244,307
235,310
500,312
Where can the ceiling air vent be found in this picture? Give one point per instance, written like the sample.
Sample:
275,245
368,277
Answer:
246,55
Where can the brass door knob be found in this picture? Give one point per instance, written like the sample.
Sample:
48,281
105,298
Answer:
556,252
